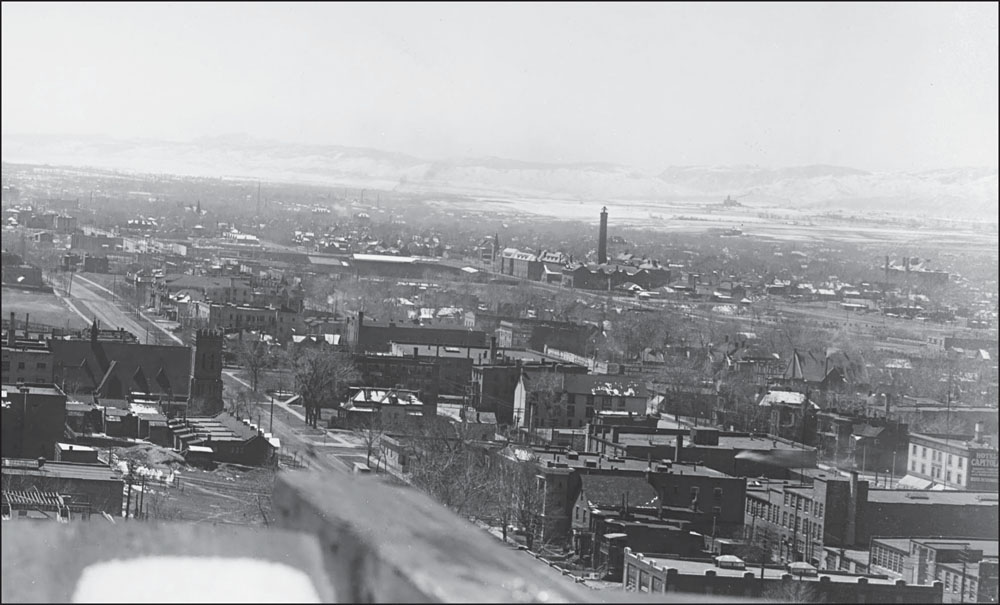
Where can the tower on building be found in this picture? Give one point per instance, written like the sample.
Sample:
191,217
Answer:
602,242
206,373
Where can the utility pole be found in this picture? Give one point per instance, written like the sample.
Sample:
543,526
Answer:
964,555
141,499
128,499
892,470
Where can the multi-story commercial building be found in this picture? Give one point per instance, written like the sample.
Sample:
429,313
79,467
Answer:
951,461
796,521
369,337
280,322
520,264
965,567
26,361
575,399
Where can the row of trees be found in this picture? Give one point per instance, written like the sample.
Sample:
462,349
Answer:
320,377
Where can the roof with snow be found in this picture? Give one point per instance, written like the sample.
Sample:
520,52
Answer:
782,398
604,385
609,490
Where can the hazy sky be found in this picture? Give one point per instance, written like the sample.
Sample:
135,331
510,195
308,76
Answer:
878,86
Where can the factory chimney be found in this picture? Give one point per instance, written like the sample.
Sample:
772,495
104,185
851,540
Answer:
602,242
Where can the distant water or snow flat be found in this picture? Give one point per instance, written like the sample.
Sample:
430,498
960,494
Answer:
194,580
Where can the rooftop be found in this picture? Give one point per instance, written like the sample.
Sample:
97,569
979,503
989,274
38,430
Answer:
989,547
59,470
902,544
33,389
381,258
776,397
603,385
954,498
736,442
960,441
608,490
698,568
74,447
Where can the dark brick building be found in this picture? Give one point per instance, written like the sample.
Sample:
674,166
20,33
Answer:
33,419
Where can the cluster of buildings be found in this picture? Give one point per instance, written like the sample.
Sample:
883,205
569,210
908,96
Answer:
554,267
663,499
660,499
647,483
68,401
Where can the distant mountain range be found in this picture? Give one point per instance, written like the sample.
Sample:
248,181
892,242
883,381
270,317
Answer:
960,192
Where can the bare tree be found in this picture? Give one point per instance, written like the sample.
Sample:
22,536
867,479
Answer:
527,500
501,497
448,467
544,398
255,356
241,406
319,378
737,394
791,591
633,332
514,495
371,431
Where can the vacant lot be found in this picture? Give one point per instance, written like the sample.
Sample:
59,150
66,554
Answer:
227,495
44,308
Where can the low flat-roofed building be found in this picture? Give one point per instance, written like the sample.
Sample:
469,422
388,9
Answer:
851,560
231,439
97,484
74,452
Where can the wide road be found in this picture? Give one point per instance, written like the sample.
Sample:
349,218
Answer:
98,301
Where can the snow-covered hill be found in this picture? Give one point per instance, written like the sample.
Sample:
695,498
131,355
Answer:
952,192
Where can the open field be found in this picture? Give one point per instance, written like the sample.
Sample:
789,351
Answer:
771,223
43,308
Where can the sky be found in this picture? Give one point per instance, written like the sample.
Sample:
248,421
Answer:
878,86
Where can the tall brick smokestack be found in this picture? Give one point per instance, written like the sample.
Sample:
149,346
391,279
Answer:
602,241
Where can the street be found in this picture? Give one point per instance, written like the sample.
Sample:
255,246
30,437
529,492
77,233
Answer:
321,448
99,302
